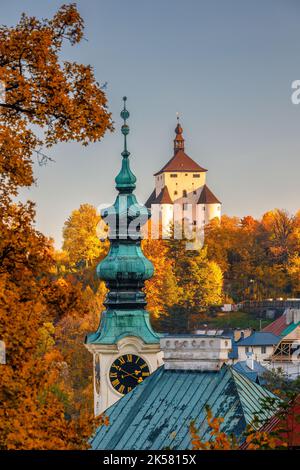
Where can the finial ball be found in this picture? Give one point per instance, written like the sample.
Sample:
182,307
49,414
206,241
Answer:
124,114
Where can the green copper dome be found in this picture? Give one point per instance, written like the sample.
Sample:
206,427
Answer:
125,268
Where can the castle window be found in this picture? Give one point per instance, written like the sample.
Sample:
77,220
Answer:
184,193
186,174
204,208
185,206
173,175
175,193
196,175
195,192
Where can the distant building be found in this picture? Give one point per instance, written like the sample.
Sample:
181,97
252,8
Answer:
181,192
234,334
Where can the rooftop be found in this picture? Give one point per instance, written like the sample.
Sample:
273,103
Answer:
207,197
158,412
252,374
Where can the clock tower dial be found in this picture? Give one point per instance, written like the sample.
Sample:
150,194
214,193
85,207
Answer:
127,372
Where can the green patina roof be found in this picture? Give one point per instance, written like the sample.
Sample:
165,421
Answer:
157,413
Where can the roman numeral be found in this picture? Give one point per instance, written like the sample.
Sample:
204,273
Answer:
137,360
116,382
143,365
121,360
113,374
145,374
129,357
121,389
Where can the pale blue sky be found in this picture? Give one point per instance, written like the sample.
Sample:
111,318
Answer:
225,65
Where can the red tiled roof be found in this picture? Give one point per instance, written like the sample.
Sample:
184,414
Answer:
277,326
181,162
164,197
207,197
287,427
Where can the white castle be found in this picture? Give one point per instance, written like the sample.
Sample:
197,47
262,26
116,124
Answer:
181,192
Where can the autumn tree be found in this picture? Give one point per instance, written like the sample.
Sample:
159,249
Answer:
80,239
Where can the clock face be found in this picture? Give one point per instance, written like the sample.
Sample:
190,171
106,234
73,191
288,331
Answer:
127,372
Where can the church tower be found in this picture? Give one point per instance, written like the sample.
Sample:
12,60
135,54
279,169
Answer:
125,348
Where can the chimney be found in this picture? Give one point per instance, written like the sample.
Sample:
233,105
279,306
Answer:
195,352
250,360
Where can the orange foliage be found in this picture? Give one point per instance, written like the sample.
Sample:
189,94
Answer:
62,98
218,440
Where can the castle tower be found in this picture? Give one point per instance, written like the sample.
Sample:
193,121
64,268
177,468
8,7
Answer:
182,182
125,348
